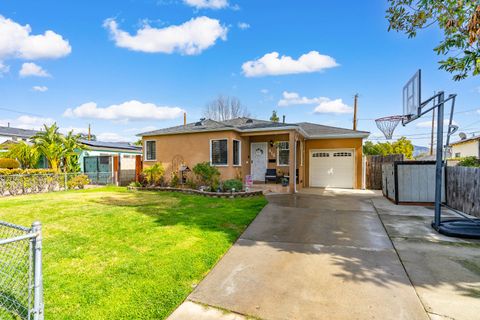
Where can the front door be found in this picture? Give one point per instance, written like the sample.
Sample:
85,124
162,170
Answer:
258,155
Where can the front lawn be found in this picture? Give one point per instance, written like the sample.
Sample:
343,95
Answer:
110,253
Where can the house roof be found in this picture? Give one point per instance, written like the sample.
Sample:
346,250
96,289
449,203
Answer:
17,132
466,140
243,124
112,145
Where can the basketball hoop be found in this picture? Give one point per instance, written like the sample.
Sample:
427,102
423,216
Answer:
388,124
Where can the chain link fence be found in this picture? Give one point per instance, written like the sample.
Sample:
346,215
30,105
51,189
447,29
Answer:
21,288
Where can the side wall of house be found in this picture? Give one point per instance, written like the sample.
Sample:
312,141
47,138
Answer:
331,144
470,148
195,148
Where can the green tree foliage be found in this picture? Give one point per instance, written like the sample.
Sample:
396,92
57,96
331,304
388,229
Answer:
27,155
401,146
274,117
154,174
72,146
50,143
471,161
459,20
207,175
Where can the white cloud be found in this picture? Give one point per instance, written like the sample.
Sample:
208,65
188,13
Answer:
271,64
207,4
428,124
3,69
243,25
40,88
264,91
129,110
143,129
27,122
76,130
30,69
333,106
293,98
17,42
189,38
111,137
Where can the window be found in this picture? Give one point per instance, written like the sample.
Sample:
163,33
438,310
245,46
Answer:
150,150
219,152
458,154
320,155
236,153
342,154
283,153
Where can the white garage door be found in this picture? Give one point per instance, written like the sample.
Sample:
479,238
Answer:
332,168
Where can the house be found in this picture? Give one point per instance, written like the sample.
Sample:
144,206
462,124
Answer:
466,147
109,162
15,134
309,154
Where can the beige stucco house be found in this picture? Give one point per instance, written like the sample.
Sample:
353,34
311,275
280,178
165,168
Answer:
466,148
311,155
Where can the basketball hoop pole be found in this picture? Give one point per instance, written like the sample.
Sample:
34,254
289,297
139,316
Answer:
439,162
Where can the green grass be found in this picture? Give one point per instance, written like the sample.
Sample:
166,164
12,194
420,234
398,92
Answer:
110,253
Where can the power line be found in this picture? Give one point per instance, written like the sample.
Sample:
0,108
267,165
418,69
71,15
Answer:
22,112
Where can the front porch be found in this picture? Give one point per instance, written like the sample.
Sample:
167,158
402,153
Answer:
273,157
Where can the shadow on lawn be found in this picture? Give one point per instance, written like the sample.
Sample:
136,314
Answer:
228,216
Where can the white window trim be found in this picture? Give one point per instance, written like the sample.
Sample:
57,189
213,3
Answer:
239,153
145,153
278,155
218,165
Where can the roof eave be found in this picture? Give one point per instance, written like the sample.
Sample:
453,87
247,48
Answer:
339,136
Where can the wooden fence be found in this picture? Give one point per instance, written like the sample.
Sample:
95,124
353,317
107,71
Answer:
463,189
373,169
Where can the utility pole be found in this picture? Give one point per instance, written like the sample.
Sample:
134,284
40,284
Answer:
89,133
355,105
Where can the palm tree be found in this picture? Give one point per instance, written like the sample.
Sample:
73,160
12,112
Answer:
26,154
72,146
50,143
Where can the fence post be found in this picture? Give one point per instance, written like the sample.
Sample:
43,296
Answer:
65,180
37,272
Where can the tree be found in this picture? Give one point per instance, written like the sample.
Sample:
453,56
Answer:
50,144
225,108
72,147
458,19
274,117
404,146
27,155
401,146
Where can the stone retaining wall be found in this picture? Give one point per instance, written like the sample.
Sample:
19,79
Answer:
241,194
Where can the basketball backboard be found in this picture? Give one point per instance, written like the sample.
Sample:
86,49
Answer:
412,96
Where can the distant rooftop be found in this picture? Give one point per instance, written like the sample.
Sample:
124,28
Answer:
243,124
112,145
17,132
465,140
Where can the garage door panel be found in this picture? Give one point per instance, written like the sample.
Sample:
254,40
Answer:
332,168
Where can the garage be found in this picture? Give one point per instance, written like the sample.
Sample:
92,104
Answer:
332,168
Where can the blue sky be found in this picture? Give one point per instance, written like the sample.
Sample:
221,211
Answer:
94,67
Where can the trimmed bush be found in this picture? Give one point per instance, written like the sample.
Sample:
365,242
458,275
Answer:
471,161
207,175
154,174
236,184
6,163
78,182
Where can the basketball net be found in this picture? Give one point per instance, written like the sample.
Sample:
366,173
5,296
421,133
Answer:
388,124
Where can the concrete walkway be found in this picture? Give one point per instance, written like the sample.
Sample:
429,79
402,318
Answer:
324,255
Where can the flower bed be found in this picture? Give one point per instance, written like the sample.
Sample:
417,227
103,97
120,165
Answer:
240,194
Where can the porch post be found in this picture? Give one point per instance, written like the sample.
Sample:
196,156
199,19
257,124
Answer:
291,162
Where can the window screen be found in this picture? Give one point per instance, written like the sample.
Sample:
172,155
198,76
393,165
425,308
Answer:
219,152
283,153
151,150
236,152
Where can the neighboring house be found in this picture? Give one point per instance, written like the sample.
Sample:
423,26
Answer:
466,148
318,155
103,160
10,136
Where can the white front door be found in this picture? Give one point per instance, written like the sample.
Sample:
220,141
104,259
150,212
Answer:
258,160
332,168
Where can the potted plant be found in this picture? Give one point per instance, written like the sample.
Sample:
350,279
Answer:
284,182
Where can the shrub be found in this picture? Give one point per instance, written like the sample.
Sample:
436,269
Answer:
78,182
6,163
236,184
471,161
191,183
154,174
174,181
135,184
207,175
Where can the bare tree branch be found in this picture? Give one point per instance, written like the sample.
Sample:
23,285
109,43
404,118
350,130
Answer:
225,108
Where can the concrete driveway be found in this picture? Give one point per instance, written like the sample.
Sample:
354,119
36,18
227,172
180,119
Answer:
316,255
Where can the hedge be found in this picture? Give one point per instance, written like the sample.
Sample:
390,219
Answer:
9,163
